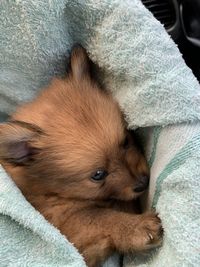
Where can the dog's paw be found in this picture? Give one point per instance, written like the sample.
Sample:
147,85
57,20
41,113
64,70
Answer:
151,231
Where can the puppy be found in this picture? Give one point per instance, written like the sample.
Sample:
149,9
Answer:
71,156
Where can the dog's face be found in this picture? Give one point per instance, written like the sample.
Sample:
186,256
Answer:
72,141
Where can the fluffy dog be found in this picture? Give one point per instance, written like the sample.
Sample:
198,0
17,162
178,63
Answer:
71,156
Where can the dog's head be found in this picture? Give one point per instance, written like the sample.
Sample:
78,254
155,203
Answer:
72,141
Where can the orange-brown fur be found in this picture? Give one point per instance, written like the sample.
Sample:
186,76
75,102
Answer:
53,145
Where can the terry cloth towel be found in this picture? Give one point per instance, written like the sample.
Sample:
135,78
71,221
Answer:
144,70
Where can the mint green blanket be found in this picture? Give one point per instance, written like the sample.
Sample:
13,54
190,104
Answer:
144,70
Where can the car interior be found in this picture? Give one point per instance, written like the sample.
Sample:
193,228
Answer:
181,19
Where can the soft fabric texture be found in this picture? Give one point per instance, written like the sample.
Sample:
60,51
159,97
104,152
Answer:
144,70
174,154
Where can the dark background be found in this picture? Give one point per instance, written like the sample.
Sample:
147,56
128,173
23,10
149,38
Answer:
181,19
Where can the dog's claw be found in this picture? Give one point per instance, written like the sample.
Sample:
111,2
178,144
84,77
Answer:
150,237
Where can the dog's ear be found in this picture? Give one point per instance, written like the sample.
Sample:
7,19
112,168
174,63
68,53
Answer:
17,142
80,65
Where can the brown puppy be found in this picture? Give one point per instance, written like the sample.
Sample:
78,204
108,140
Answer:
71,156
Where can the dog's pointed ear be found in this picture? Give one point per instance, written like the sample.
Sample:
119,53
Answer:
16,142
80,65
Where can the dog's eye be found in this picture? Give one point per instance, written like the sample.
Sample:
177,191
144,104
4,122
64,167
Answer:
126,143
99,175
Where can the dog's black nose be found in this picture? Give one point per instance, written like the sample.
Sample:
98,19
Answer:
142,184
